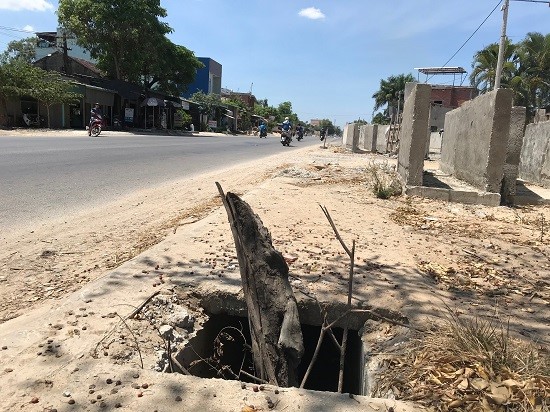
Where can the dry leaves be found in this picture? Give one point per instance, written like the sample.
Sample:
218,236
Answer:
470,366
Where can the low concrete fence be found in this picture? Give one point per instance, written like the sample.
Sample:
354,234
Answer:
350,139
475,140
534,166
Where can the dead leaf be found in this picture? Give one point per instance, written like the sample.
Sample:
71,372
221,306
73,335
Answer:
456,403
463,385
479,384
511,383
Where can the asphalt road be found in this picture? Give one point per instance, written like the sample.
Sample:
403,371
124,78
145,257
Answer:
47,177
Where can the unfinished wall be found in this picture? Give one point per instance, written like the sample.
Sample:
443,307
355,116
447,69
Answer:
367,137
351,136
534,165
413,137
475,140
381,138
513,152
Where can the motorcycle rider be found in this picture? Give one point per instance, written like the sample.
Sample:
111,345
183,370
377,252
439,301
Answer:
263,130
286,126
300,132
95,114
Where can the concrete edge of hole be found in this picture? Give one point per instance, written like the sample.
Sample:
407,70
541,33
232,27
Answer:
380,339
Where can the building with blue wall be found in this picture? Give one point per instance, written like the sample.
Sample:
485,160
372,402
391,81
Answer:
207,80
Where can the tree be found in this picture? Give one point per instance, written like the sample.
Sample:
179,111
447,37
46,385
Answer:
129,41
526,70
484,67
534,71
285,110
360,121
23,49
52,89
380,118
391,92
209,104
17,78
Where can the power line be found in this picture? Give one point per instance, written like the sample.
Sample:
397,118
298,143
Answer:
472,35
14,29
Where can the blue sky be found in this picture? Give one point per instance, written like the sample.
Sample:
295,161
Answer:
325,56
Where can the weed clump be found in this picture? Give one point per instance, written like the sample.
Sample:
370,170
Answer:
383,180
470,364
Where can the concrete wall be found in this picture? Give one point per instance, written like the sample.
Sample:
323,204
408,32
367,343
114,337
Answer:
413,137
381,138
351,136
513,152
367,137
534,166
476,138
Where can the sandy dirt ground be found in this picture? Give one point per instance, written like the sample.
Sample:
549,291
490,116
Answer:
415,259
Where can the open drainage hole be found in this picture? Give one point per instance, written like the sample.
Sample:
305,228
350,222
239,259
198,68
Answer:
222,349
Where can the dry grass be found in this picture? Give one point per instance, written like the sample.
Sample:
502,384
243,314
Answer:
471,364
383,180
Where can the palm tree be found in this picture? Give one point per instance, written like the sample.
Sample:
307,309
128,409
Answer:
390,92
534,70
485,66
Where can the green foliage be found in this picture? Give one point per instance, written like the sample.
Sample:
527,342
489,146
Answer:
186,118
54,90
485,65
390,90
23,49
129,41
380,118
207,102
526,70
360,122
285,110
18,78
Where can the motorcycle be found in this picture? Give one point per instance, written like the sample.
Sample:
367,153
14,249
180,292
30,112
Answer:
300,134
286,137
33,120
263,133
95,127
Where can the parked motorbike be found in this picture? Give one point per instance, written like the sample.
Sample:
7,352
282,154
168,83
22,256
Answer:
95,127
286,137
33,120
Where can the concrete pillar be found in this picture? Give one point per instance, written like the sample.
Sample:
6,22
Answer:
351,136
513,152
367,137
382,138
412,139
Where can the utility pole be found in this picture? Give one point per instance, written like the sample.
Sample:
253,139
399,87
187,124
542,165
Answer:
502,45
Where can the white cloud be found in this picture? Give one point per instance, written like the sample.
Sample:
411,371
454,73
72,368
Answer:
32,5
28,28
309,13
